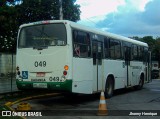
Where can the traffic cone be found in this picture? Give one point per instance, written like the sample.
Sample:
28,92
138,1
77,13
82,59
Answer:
102,110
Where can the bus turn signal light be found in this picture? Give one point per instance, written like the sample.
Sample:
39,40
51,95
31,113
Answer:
66,67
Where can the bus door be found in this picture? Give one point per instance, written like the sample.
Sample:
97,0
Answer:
97,65
127,51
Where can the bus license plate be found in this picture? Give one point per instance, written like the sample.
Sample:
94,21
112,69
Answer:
40,74
39,85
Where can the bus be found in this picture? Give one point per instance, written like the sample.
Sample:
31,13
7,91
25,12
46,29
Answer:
61,55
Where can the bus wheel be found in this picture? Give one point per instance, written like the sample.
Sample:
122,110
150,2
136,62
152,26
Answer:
109,87
141,82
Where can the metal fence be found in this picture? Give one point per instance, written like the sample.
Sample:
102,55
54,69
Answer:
7,72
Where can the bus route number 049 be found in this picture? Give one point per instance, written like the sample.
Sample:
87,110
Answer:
40,64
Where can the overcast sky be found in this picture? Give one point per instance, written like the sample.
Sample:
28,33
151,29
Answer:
124,17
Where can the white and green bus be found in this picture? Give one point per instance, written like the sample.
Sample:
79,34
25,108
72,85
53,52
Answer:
64,56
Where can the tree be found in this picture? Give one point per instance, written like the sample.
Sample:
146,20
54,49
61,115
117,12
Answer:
150,41
154,45
13,13
71,10
157,50
8,27
37,10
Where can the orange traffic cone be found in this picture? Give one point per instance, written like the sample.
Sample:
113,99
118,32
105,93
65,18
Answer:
102,110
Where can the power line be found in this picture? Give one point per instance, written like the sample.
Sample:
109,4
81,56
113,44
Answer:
88,19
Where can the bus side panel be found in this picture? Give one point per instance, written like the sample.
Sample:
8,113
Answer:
82,75
117,68
137,68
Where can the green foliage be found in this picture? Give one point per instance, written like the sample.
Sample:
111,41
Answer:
8,28
154,45
13,13
71,13
150,41
37,10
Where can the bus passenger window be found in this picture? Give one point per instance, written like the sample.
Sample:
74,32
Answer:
99,55
94,53
145,54
111,49
76,50
114,49
117,49
140,53
81,44
106,47
83,51
134,52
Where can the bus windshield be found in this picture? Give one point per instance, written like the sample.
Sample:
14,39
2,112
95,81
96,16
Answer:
42,36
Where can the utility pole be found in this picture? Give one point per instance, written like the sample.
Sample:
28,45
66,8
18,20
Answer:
60,10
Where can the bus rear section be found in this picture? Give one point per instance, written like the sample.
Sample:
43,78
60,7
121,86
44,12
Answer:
42,57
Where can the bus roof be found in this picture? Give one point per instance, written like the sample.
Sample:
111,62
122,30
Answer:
107,34
88,29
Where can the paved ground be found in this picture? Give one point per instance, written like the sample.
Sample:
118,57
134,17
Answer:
120,105
86,106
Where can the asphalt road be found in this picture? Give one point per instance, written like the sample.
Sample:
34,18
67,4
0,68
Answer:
122,105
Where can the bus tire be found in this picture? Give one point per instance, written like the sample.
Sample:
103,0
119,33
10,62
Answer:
141,82
109,87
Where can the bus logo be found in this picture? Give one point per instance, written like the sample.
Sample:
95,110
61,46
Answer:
6,113
24,74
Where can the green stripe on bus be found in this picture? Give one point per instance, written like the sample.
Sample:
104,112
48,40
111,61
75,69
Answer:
64,86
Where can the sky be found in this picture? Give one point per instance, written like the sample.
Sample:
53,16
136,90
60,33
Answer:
124,17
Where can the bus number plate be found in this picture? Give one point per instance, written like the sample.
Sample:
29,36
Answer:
39,85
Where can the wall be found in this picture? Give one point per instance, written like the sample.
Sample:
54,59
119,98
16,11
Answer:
6,64
7,80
